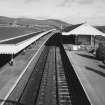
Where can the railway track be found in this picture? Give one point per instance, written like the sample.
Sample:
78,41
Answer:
31,55
52,82
56,87
47,94
62,85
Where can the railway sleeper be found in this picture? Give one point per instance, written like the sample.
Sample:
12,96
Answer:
29,95
76,92
62,86
49,94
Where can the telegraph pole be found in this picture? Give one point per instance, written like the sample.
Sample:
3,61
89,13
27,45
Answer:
61,33
61,28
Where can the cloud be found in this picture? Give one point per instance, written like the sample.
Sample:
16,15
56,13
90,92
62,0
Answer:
73,11
84,1
29,1
80,2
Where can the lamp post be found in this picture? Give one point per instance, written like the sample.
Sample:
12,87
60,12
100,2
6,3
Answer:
61,34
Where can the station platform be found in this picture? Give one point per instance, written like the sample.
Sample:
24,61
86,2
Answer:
91,74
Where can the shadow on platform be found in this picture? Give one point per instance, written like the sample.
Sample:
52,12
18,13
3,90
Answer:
102,66
4,58
96,71
87,56
74,86
10,102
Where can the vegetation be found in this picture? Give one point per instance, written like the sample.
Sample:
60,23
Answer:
101,28
51,23
12,27
100,52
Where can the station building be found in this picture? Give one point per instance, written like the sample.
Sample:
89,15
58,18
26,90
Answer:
82,34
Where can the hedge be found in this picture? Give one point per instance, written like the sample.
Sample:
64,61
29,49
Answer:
100,52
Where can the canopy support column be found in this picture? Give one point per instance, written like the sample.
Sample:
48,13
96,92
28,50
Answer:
76,39
91,40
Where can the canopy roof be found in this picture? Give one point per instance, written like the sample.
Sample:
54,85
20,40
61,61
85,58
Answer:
14,48
84,29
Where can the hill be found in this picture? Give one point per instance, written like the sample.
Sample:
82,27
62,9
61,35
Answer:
101,28
6,20
52,23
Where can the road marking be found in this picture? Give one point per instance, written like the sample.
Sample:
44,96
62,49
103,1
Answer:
6,97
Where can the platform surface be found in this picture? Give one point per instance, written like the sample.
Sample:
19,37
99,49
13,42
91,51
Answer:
91,73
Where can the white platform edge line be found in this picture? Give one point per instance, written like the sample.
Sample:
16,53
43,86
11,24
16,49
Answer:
22,74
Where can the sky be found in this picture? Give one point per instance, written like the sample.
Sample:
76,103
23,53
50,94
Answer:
71,11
